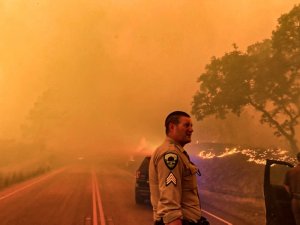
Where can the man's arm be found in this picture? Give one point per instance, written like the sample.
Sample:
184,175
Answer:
169,179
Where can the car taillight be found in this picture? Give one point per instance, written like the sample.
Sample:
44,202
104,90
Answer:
137,174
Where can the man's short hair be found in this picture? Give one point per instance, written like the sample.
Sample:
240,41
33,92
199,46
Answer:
173,117
298,156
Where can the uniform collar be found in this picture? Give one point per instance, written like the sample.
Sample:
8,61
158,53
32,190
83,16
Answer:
171,141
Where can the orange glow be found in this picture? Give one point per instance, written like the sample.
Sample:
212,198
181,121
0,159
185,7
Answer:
87,76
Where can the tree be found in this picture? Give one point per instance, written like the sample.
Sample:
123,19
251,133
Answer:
265,77
45,118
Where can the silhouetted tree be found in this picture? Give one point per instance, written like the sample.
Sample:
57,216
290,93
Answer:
266,77
45,117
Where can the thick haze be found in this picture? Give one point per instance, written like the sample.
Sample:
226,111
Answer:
87,74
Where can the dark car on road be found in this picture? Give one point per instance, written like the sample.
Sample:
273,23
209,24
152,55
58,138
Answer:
277,199
142,190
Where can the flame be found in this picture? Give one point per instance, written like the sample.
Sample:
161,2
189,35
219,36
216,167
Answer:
254,155
257,161
228,152
204,155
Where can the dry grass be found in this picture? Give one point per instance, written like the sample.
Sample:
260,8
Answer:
250,210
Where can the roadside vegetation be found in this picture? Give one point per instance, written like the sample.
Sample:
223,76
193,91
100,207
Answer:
14,175
20,162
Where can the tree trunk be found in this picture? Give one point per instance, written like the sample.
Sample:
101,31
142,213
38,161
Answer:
293,145
274,123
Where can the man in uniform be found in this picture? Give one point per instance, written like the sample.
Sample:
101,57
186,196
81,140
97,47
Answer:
172,176
292,184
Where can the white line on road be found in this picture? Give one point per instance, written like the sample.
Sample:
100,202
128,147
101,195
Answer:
30,184
216,217
95,219
100,207
98,200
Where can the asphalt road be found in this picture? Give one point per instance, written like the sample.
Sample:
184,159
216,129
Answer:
117,189
80,195
62,198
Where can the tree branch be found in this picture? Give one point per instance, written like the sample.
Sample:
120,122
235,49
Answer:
271,119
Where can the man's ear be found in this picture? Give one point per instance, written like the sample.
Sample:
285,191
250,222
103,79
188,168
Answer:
171,126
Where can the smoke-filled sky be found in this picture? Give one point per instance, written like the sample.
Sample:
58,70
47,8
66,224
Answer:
83,73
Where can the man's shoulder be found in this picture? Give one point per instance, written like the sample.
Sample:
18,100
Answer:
166,147
163,149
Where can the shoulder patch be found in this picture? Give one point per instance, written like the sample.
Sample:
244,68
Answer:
171,160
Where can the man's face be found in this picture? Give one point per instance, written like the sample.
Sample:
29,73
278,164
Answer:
182,132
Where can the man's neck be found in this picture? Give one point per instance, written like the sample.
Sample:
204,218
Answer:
176,142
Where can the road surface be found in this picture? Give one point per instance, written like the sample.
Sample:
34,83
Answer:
81,195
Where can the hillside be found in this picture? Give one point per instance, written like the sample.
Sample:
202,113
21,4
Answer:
232,178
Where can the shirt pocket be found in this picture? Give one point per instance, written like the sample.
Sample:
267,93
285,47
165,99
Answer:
189,177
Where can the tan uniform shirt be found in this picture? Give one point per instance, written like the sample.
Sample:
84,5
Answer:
173,184
292,180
